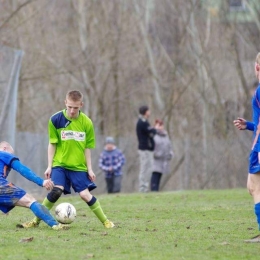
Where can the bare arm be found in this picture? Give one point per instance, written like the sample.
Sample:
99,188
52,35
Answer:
51,153
91,174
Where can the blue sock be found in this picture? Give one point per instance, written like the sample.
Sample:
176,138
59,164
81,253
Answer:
257,213
43,213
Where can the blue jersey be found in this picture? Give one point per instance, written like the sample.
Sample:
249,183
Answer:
9,193
6,160
256,121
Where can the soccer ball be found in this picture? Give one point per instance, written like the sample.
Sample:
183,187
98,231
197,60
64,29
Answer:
65,213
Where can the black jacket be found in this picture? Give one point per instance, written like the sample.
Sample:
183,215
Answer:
145,134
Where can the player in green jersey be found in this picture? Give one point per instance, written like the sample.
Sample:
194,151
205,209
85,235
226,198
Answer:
71,136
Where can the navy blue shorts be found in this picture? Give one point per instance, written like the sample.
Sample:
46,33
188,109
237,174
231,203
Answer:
79,181
9,195
254,165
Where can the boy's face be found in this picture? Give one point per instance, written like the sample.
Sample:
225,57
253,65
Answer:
73,108
110,146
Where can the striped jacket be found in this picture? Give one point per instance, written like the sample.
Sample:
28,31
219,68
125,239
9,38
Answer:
111,162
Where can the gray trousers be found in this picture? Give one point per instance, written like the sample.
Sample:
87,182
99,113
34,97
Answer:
146,164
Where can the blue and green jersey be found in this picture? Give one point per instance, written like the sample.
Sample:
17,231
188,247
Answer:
72,137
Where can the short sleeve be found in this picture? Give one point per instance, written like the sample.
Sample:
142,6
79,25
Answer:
53,133
90,135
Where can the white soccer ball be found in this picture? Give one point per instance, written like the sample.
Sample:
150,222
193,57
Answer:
65,213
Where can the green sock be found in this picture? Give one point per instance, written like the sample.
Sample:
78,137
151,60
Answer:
97,210
48,205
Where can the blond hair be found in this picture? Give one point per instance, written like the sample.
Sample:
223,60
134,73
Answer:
6,146
74,95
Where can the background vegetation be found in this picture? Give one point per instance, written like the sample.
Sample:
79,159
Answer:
191,61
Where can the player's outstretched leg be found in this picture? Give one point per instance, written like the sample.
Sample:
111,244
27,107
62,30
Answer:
97,210
43,213
48,202
36,220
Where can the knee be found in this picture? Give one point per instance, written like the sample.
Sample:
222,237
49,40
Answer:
26,201
55,194
254,191
250,186
251,189
29,198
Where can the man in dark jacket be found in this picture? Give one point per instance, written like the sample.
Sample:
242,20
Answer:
145,134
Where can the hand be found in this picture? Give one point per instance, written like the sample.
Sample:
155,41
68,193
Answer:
240,123
91,175
48,184
48,173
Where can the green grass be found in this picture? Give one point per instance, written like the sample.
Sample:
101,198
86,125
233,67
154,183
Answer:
210,224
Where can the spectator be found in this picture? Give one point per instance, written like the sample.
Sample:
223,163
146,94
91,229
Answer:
163,153
145,134
111,162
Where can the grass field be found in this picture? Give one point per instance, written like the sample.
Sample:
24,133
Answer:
209,224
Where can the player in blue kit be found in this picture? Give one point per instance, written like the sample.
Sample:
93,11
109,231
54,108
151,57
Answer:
11,195
253,181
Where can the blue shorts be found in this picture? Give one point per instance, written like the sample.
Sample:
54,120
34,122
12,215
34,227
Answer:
254,165
9,195
79,181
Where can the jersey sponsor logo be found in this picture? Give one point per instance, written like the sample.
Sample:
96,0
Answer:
72,135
